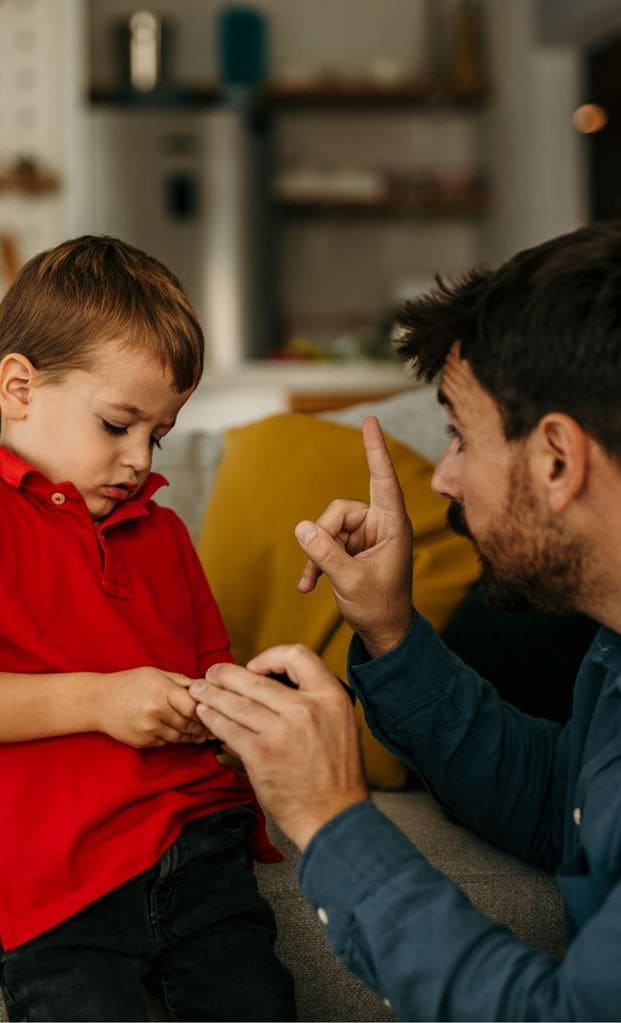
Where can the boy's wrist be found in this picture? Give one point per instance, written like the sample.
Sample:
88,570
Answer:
87,699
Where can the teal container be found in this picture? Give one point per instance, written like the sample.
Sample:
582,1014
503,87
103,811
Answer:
241,34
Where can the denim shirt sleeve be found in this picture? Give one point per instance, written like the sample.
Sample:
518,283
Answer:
414,937
500,772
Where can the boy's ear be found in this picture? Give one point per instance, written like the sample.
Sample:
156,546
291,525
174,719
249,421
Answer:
17,375
562,458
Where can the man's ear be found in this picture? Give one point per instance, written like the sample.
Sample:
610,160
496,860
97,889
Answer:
562,458
17,376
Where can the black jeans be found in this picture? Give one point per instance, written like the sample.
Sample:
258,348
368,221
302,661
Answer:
193,928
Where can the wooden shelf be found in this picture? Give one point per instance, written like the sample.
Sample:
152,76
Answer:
331,95
437,205
165,96
364,94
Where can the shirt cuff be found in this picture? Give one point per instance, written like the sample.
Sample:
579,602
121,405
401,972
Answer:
421,656
347,858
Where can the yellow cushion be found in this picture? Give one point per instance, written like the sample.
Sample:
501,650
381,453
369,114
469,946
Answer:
289,467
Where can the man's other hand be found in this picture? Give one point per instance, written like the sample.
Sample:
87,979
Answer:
300,746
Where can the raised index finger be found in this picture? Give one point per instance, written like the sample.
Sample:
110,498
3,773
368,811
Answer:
384,487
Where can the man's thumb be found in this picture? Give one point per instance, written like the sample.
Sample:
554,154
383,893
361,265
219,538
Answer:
305,531
322,549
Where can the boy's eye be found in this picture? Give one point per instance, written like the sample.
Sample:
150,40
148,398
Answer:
120,431
117,431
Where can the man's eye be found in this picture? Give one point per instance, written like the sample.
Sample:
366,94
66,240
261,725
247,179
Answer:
455,435
117,431
156,442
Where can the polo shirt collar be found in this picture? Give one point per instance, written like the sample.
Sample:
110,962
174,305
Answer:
14,469
20,475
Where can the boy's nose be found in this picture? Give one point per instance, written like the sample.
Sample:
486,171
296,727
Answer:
138,457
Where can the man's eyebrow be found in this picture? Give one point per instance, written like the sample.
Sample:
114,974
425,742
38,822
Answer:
446,403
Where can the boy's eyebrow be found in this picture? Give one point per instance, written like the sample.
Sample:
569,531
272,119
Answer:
133,410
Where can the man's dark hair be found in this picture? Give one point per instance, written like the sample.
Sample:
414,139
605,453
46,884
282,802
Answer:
541,334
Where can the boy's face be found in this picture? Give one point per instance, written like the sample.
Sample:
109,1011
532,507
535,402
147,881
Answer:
97,427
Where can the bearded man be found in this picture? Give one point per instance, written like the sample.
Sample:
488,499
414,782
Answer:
528,360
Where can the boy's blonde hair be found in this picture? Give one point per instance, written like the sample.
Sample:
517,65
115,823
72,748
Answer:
67,301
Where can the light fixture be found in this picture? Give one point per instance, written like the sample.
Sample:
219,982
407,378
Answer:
589,118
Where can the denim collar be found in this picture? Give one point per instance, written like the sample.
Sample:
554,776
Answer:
606,650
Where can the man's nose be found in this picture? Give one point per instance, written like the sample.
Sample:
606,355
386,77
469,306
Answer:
446,479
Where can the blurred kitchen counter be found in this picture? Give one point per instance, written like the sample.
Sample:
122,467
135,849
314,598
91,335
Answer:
231,397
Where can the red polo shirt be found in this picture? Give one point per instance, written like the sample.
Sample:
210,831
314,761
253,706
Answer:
81,814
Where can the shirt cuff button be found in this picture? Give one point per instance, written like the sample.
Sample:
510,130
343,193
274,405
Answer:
323,916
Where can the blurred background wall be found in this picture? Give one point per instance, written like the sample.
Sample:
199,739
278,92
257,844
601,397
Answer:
304,165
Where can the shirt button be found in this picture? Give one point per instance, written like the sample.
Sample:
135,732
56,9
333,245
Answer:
578,816
58,498
323,916
387,1003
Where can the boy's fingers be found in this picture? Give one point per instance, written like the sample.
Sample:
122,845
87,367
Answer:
181,680
167,733
181,702
173,719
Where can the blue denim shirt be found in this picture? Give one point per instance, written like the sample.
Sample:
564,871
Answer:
548,794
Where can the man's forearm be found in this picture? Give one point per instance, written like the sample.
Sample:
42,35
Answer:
414,937
483,760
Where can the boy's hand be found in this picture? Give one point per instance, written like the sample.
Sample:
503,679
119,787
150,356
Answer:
146,707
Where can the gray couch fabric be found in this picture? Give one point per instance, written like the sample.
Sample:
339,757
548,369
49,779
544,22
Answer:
524,898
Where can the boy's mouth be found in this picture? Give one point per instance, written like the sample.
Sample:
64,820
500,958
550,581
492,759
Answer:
119,491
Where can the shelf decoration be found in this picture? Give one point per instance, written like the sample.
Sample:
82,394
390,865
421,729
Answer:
312,189
28,177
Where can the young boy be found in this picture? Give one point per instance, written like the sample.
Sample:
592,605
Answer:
125,842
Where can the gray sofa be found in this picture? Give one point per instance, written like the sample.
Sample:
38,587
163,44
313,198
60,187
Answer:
524,898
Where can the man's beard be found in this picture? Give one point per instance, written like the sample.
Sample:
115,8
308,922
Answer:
526,564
